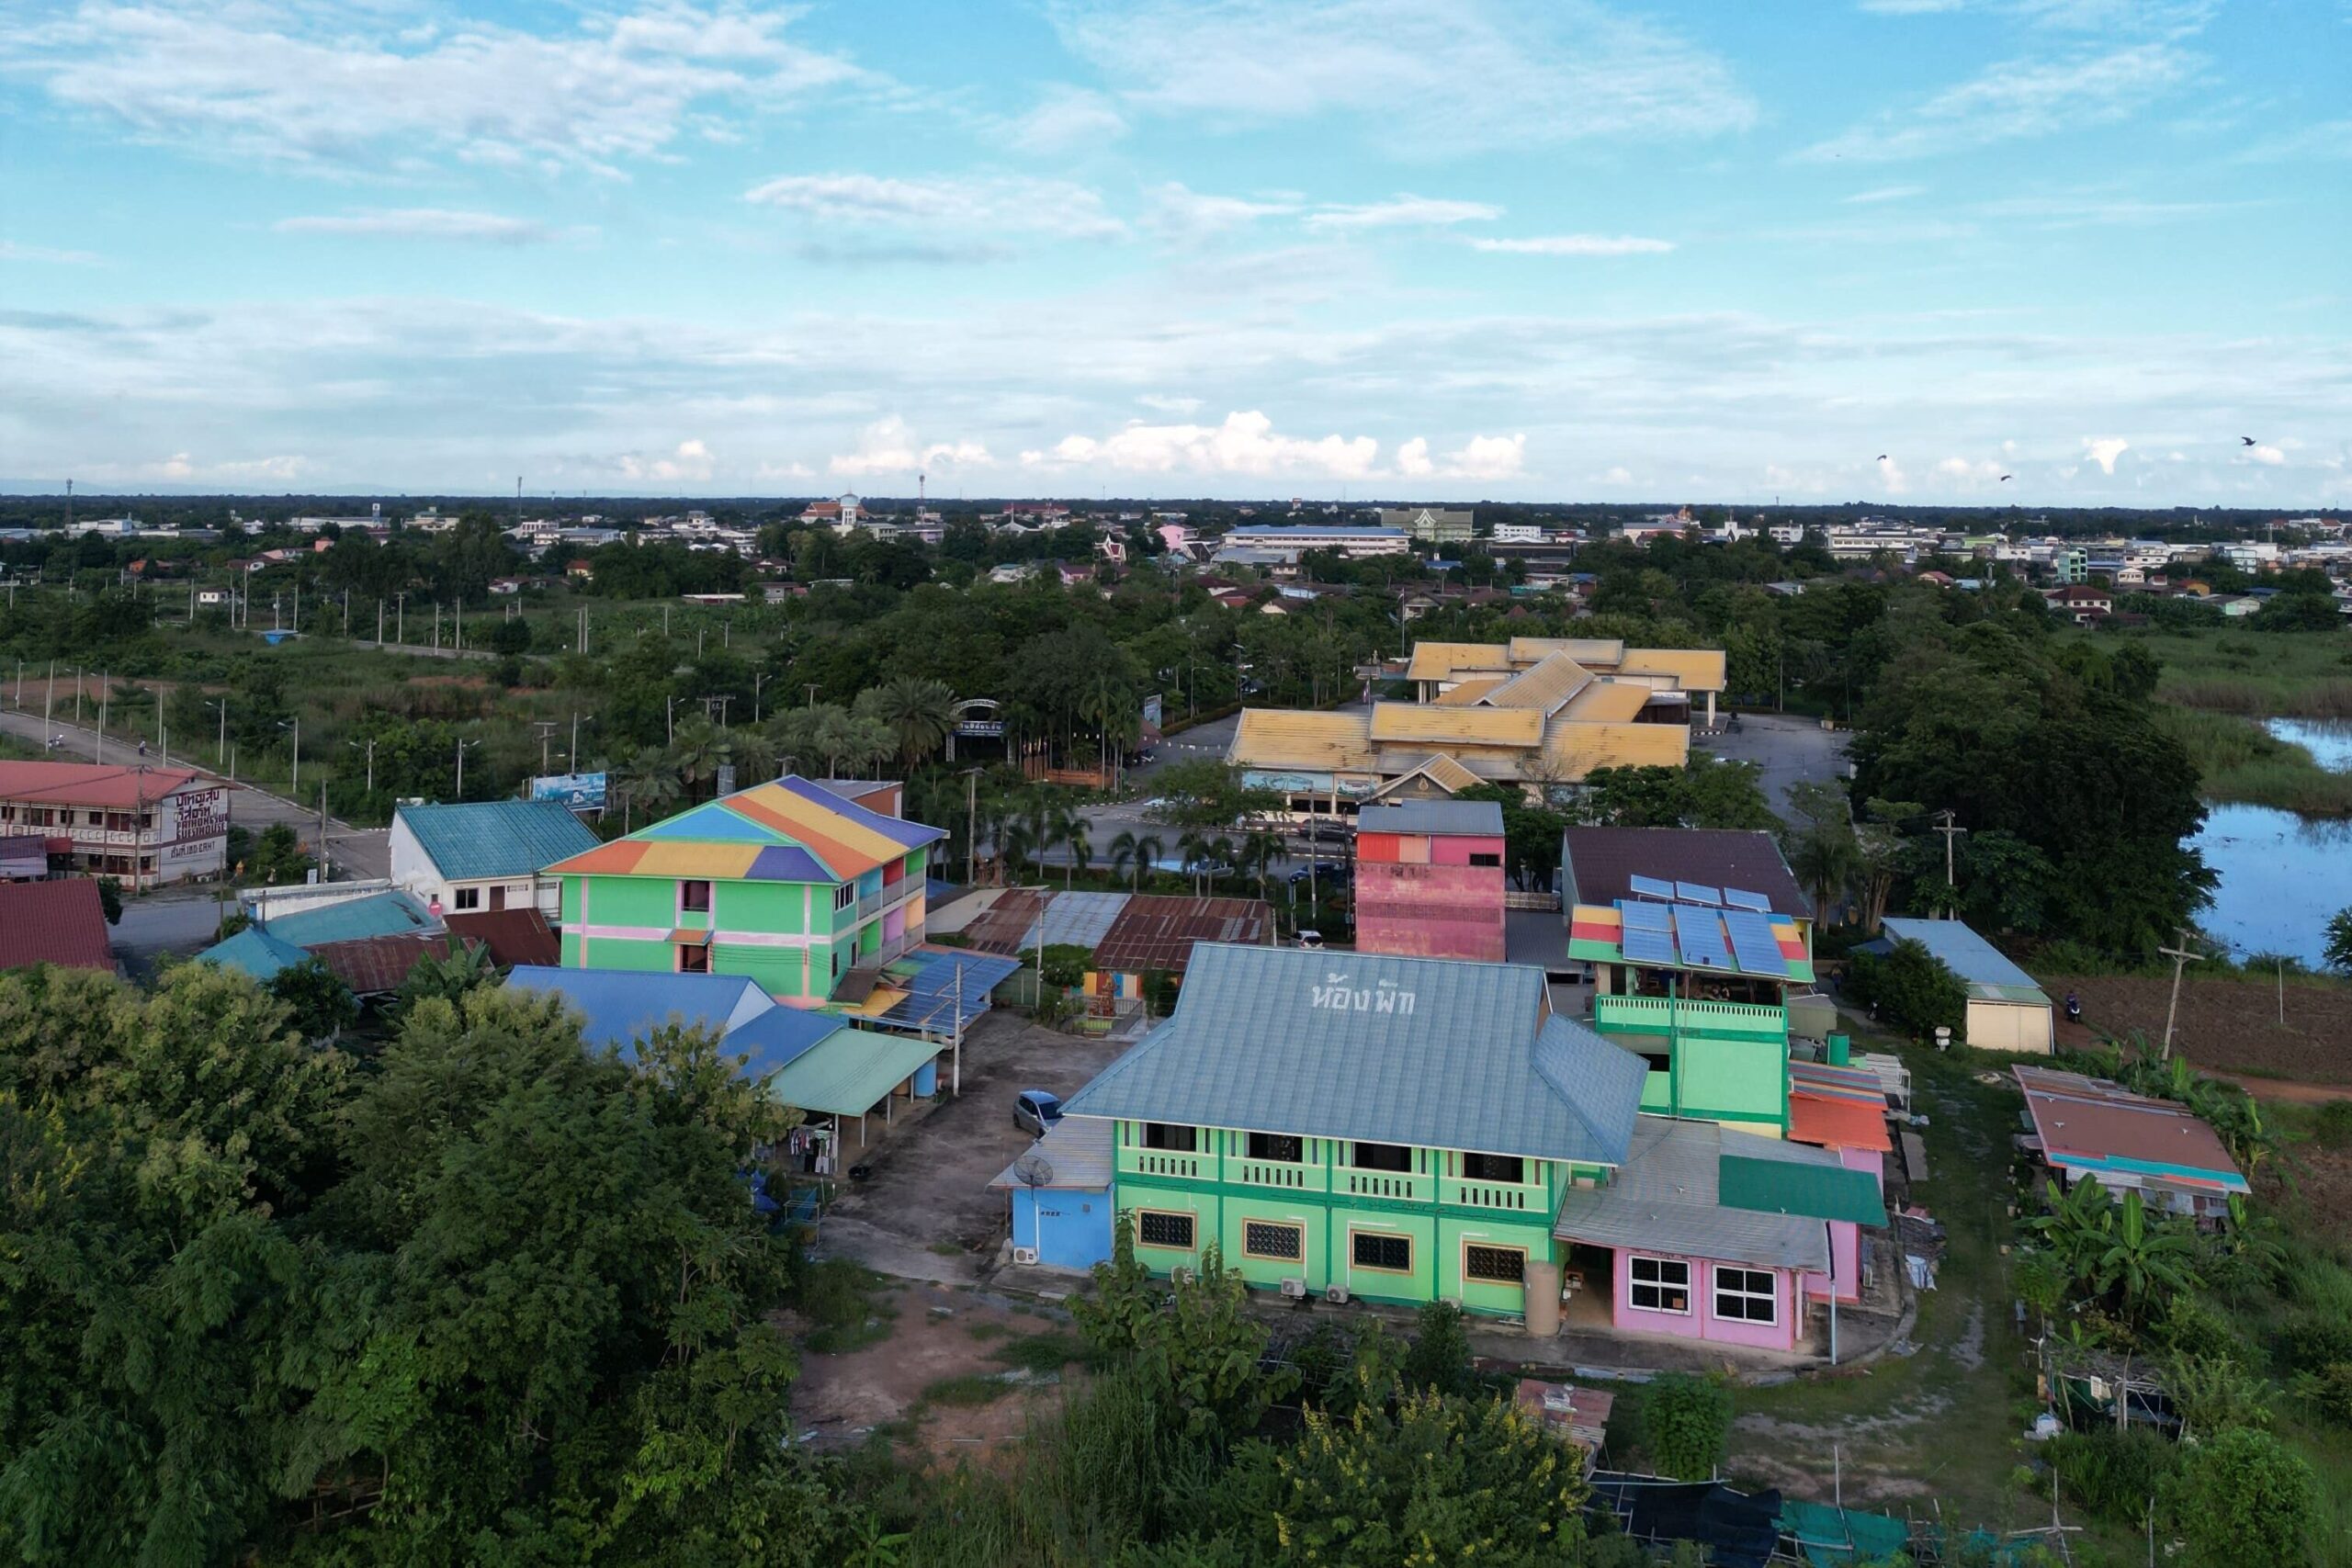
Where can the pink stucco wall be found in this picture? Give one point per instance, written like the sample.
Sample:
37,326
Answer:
1457,850
1429,911
1701,1322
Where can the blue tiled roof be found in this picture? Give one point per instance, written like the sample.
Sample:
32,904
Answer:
497,838
622,1005
379,914
779,1036
1424,1052
898,830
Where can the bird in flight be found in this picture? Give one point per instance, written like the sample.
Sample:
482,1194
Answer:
2006,478
1880,459
2246,440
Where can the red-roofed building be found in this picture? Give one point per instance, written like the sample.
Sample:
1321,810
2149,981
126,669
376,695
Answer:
54,923
147,826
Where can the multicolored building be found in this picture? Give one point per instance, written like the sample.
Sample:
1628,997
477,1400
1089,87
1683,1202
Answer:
787,882
1430,879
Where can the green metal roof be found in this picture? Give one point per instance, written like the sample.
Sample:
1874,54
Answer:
847,1074
497,838
1820,1192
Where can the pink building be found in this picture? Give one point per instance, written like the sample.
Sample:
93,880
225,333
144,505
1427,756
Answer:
1430,880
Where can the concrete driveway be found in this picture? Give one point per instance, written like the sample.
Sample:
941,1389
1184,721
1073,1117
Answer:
1792,750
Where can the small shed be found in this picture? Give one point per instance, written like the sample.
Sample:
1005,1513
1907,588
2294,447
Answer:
1061,1195
2007,1011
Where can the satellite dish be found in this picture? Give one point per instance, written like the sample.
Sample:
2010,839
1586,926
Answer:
1034,1169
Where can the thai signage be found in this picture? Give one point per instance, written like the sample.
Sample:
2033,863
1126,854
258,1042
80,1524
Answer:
581,792
1336,996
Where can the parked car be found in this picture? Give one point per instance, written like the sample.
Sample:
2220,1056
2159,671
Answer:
1310,939
1034,1110
1323,875
1328,833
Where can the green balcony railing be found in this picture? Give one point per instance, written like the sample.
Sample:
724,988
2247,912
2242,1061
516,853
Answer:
1715,1020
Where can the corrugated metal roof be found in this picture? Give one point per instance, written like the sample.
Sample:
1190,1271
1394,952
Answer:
1077,1149
1665,1197
514,936
1157,932
926,979
372,966
1429,725
788,830
2090,1125
1466,694
1585,650
1602,861
1980,965
1693,669
1424,1052
378,914
1544,686
1000,926
1439,661
848,1072
1316,742
1813,1191
496,838
1075,920
54,923
621,1006
1574,750
775,1039
1607,702
253,951
1441,817
90,784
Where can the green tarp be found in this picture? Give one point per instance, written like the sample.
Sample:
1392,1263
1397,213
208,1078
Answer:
1840,1538
1778,1186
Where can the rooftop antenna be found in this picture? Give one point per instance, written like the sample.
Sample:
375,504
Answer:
918,496
69,506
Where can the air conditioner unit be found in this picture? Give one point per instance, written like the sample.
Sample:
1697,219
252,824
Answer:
1337,1295
1025,1254
1294,1288
1180,1276
1453,1302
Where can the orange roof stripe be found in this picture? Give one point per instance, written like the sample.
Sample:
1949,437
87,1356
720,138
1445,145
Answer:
767,806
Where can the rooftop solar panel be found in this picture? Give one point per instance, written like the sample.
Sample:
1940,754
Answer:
1696,892
1644,917
1700,934
1753,944
1740,898
1647,946
1651,887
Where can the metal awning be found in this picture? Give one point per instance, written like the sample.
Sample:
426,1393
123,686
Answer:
685,938
847,1074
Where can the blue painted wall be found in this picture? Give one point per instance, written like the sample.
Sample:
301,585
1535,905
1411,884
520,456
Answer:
1070,1228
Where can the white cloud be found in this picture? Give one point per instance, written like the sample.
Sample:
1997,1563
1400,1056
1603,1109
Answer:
1164,404
1179,212
1575,245
1619,475
1067,119
2104,449
1891,477
690,462
323,84
770,472
1246,444
181,468
1427,80
2015,99
1882,192
2268,457
1481,458
888,446
10,251
1413,458
2327,139
1910,8
1402,212
1960,471
979,206
432,223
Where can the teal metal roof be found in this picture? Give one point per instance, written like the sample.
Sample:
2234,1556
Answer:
849,1071
1980,965
378,914
497,838
1426,1051
1817,1191
255,952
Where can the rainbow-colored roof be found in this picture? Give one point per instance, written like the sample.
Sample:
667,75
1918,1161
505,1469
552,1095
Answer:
790,831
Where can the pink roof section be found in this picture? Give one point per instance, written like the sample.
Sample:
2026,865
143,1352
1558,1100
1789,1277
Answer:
54,923
89,784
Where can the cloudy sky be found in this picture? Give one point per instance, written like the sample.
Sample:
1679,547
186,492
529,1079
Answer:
1454,250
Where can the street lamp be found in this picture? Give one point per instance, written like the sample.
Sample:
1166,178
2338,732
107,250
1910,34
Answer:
576,717
462,766
294,784
371,761
220,758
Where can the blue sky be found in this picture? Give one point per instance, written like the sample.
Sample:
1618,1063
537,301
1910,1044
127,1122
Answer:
1180,247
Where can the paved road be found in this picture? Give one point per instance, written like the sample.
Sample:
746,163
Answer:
1792,752
356,852
174,923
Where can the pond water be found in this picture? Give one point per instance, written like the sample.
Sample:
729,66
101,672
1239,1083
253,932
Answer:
2282,875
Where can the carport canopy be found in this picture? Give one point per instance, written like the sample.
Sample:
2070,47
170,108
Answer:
847,1072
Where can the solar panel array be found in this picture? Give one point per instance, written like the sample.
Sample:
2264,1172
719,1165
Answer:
1696,892
1651,887
1752,940
1700,934
1646,917
1644,946
1740,898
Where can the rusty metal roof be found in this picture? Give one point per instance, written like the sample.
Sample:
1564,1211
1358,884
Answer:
54,923
1158,932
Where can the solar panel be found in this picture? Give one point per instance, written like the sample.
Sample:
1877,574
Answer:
1700,934
1648,946
1752,941
1740,898
1651,887
1696,892
1646,917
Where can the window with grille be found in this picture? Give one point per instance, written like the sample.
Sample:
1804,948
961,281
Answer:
1171,1135
1493,1167
1485,860
1659,1284
1746,1295
1283,1146
693,959
1494,1265
1158,1227
1376,1249
1382,1157
1262,1238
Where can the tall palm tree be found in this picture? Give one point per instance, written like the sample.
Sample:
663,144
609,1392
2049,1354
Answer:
1123,854
1072,830
755,755
921,713
1149,853
1259,850
649,780
700,751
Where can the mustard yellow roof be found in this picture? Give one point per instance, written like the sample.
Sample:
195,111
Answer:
1607,702
1439,769
1468,692
1544,686
1574,750
1583,650
1439,661
1290,738
1435,726
1693,669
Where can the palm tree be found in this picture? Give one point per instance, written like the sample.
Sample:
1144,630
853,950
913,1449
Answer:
466,965
1016,840
1197,851
1123,854
920,712
755,755
1149,853
700,751
1074,838
1823,857
1259,850
648,780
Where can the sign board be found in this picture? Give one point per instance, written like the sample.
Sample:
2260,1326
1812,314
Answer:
975,719
581,792
1151,711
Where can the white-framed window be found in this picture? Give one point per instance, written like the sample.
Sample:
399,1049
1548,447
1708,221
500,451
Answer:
844,895
1164,1227
1272,1239
1659,1284
1747,1295
465,899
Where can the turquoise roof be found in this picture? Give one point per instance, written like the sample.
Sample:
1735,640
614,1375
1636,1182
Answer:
710,823
379,914
497,838
255,952
1429,1052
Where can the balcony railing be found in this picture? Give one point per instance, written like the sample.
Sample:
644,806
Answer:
888,897
1717,1021
1501,1195
1277,1173
1161,1162
1408,1185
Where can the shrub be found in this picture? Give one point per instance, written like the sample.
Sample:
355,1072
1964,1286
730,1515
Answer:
1911,989
2189,1327
2112,1472
1686,1422
1439,1357
2214,1395
2310,1340
2245,1497
2332,1127
2329,1392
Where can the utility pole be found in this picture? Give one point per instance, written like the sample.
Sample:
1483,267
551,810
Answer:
812,692
379,623
371,761
670,720
971,834
546,726
462,766
326,865
106,690
2180,958
400,617
575,766
1948,827
759,679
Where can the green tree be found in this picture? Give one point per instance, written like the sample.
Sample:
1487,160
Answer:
2243,1496
1911,989
1198,1347
1439,1357
450,976
920,714
2338,949
322,1006
110,899
1686,1424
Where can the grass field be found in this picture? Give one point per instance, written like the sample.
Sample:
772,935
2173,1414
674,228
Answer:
2259,674
2237,760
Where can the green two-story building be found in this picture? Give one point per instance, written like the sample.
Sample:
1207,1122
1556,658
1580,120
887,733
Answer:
789,884
1400,1128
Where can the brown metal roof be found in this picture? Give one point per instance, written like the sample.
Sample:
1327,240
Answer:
372,966
2096,1125
54,923
1599,863
514,936
1000,929
1158,932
